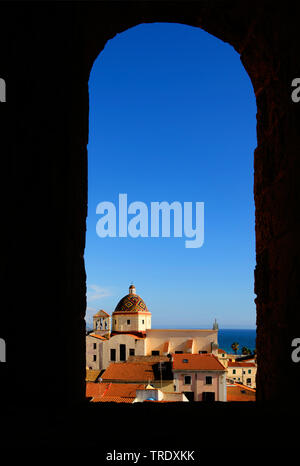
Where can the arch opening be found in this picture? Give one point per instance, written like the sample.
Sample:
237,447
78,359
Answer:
195,141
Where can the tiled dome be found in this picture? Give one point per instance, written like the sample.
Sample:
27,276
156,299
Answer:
131,303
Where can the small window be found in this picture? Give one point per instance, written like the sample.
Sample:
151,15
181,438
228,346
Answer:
249,371
94,357
112,354
155,353
233,371
202,352
131,351
185,360
94,345
223,355
128,322
208,380
143,322
187,380
178,352
248,382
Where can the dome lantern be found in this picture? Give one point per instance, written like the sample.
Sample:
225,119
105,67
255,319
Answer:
132,289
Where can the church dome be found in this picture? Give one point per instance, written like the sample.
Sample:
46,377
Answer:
131,303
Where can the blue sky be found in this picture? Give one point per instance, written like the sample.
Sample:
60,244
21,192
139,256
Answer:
173,118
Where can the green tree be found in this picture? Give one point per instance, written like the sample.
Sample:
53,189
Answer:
235,347
246,351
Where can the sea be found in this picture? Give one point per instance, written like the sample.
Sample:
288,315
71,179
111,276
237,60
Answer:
244,337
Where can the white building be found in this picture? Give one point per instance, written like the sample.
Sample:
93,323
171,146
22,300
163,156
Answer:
131,335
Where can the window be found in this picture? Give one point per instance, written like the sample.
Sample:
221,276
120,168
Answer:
128,322
233,371
94,357
122,352
249,371
248,382
155,353
178,352
187,380
143,321
208,380
94,345
185,360
112,354
131,351
202,352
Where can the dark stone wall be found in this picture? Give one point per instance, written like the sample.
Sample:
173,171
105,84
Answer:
47,51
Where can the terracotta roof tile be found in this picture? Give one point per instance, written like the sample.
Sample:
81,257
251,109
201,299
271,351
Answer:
238,392
129,371
95,389
124,389
241,364
198,362
114,399
96,336
119,392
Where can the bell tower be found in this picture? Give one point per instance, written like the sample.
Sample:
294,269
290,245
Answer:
102,323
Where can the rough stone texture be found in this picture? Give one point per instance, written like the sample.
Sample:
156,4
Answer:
47,52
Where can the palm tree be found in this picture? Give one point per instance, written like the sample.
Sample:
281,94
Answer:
235,347
246,351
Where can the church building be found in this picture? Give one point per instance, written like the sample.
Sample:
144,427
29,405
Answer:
128,333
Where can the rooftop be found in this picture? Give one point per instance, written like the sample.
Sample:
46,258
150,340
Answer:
115,392
196,362
238,392
95,335
241,364
129,371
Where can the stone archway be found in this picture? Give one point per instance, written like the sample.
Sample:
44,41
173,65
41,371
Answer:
263,55
54,46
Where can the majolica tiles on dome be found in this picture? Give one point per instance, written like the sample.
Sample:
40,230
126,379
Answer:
131,303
